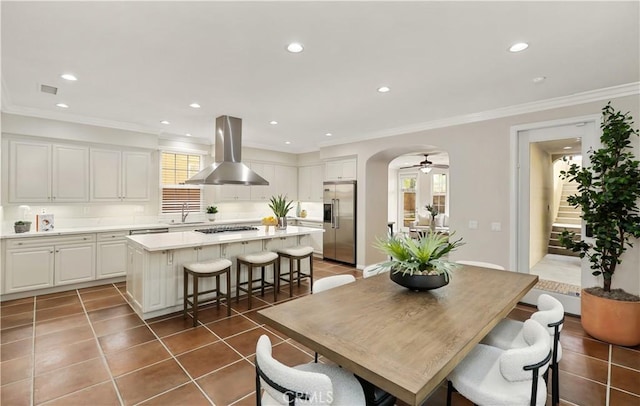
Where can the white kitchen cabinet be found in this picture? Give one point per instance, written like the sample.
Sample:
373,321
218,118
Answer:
111,255
44,172
75,263
310,183
345,169
286,181
232,193
119,175
29,268
263,192
315,239
36,263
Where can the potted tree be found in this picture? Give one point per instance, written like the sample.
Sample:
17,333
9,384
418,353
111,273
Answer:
419,264
608,194
211,212
280,207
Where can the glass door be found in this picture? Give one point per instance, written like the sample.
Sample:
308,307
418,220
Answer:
407,205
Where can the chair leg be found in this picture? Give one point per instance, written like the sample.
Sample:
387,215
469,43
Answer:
262,281
185,290
290,277
276,271
228,278
238,282
449,392
315,358
310,270
195,301
250,284
218,292
555,386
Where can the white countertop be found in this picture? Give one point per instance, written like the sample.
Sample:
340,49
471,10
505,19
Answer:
188,239
127,227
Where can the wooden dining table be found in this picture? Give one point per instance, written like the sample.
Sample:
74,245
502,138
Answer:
402,341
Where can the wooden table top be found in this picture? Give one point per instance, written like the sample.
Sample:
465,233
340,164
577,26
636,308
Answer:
402,341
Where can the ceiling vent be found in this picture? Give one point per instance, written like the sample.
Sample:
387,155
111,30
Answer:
48,89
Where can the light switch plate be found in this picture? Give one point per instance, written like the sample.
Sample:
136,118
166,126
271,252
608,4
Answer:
496,227
473,224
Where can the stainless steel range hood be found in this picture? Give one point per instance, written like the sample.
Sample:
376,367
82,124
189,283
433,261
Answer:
227,168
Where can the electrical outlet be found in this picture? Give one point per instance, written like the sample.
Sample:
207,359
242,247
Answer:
496,227
473,224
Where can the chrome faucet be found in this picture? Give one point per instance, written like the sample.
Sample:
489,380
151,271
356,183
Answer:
185,214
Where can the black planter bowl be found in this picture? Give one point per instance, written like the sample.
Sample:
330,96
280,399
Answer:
419,282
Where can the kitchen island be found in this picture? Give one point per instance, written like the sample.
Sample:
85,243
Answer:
154,261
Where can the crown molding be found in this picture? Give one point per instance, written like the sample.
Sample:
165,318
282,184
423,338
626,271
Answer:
628,89
73,118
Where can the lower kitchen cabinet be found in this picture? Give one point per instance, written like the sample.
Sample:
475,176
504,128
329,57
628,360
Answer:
111,255
74,263
36,263
29,268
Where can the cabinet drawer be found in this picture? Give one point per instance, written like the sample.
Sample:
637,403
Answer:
311,224
116,235
53,240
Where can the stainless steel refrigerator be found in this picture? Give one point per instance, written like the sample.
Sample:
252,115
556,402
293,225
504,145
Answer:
339,221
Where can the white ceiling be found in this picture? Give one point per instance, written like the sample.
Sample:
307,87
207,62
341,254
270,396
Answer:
138,63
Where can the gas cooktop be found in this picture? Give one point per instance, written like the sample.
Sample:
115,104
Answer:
224,229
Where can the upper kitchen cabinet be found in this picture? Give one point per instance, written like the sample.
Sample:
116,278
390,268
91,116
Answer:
344,169
45,172
267,171
310,183
286,181
119,175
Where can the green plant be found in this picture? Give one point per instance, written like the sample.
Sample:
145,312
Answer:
212,209
432,211
608,192
423,256
280,206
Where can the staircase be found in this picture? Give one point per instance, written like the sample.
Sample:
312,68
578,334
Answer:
568,219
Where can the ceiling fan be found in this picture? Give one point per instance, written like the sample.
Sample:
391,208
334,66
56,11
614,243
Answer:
426,165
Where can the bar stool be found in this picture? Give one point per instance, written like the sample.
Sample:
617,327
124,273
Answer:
251,261
296,254
197,270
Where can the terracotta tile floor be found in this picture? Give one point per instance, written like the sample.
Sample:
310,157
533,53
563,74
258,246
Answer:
87,347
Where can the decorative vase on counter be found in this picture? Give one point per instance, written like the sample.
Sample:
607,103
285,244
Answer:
22,226
282,223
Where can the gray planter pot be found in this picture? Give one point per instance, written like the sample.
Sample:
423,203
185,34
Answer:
22,228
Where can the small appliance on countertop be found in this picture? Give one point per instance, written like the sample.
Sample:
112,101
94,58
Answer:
223,229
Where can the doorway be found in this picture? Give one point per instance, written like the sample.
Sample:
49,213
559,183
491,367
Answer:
407,201
542,151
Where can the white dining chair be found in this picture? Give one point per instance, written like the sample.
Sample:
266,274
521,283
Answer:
309,384
481,264
374,396
331,282
493,376
374,269
508,334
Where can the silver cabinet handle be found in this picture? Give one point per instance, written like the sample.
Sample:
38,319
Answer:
57,250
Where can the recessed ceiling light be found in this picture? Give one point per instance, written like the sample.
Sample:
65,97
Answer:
328,134
383,89
566,148
287,142
273,122
194,105
62,105
517,47
539,79
188,134
165,122
295,47
68,76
